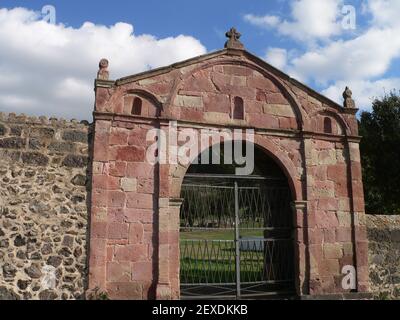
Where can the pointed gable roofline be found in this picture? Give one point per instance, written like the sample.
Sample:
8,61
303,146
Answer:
229,52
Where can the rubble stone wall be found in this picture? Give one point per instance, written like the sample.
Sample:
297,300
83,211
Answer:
384,256
43,208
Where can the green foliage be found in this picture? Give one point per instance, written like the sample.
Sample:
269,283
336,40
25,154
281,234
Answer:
380,152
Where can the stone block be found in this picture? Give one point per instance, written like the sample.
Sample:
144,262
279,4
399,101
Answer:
136,233
75,161
217,103
12,143
42,133
119,136
260,82
116,199
139,201
131,253
343,234
130,154
333,251
189,101
142,271
327,157
75,136
129,184
125,291
276,98
35,159
118,272
117,231
140,170
280,110
117,169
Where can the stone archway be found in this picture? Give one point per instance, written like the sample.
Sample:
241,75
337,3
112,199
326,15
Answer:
236,232
135,208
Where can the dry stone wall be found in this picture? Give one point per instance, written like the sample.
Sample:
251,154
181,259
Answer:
384,256
43,208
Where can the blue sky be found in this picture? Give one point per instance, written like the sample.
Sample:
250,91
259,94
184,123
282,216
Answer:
304,38
205,20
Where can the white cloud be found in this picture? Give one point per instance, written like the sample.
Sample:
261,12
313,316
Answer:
49,69
310,20
384,12
262,21
362,61
364,92
276,57
367,56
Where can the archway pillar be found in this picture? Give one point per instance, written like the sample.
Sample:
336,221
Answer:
300,247
168,286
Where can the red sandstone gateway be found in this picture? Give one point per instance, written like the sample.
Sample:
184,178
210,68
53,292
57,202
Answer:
171,231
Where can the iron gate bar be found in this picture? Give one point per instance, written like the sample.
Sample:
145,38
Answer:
231,177
237,239
265,263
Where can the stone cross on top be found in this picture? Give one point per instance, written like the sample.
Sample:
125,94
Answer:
233,43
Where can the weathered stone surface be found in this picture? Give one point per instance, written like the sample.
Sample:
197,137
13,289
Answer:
41,210
62,147
75,161
79,180
2,130
54,261
23,284
35,159
75,136
189,101
42,133
384,257
35,144
9,271
19,241
129,184
12,143
48,295
8,294
33,271
39,207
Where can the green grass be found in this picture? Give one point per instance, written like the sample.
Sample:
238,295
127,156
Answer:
214,262
219,234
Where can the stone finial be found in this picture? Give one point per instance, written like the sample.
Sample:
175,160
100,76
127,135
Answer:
349,103
233,43
103,73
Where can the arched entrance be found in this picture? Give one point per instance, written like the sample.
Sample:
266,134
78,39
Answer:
236,232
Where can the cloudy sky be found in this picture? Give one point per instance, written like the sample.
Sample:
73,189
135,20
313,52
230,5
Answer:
47,65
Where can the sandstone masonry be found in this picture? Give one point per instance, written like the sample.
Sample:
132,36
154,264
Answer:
80,215
44,219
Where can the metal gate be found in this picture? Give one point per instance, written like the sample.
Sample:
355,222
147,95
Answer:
236,238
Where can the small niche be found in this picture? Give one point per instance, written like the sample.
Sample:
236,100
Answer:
137,107
328,125
238,109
